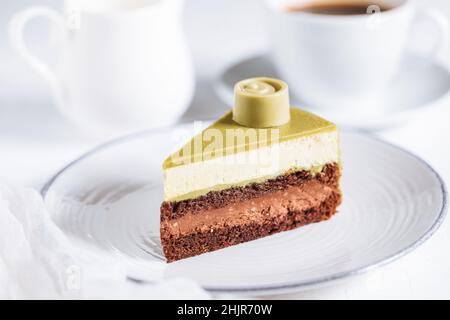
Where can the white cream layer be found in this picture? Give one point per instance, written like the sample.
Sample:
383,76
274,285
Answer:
303,153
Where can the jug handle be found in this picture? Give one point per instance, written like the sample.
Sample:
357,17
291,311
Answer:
17,27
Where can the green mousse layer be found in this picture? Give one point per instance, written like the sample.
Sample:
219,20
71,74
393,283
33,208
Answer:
197,193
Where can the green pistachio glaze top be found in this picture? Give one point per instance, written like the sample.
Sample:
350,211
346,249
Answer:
202,146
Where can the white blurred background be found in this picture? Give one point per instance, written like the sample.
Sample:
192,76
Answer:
35,140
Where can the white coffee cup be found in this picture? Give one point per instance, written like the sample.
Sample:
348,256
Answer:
123,65
344,61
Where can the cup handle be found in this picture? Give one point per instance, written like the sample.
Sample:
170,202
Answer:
17,26
441,25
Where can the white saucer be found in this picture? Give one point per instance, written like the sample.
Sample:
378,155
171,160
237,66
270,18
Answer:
419,85
110,199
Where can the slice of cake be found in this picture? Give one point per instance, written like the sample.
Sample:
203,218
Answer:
261,169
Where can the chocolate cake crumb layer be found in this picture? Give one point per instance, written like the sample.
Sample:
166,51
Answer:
218,199
176,248
225,218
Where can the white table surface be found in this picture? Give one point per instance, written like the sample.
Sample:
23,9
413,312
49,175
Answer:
35,141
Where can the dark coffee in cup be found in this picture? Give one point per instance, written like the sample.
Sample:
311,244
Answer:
340,7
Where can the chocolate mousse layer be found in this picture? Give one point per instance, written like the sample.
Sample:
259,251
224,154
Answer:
228,217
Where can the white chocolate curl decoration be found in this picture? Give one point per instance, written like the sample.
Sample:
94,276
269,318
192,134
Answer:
258,87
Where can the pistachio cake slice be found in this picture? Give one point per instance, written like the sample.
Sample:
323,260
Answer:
262,168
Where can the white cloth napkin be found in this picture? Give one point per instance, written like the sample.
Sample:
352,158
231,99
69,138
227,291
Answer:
37,261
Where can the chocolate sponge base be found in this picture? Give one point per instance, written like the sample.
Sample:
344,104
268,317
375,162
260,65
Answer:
180,245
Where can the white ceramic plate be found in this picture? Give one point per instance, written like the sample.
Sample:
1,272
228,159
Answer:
418,87
393,201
